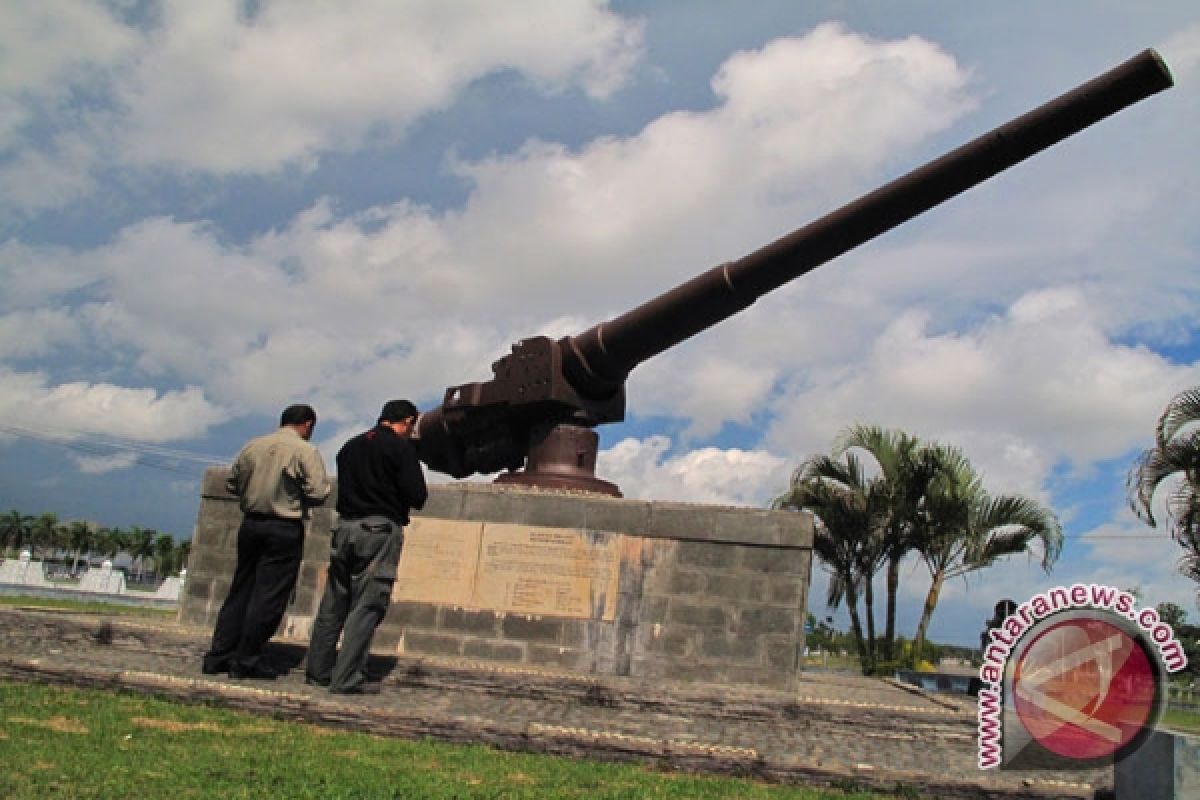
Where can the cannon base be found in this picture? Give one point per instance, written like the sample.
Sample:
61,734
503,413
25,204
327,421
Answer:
563,457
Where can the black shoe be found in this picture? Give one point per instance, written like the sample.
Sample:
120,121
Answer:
258,672
214,668
367,687
311,681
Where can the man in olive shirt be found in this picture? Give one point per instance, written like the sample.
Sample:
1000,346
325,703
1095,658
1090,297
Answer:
276,478
379,480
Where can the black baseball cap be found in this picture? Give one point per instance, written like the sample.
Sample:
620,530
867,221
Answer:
397,411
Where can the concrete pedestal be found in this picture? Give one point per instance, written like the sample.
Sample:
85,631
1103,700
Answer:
585,583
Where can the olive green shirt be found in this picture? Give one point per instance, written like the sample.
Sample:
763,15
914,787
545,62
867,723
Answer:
279,474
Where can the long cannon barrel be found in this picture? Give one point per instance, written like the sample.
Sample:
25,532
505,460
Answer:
599,359
577,382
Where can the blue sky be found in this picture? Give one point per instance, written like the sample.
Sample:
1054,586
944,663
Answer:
211,210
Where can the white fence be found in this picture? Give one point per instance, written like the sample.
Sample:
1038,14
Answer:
103,582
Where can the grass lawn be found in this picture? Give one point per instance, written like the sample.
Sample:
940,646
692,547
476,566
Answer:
86,606
833,663
1182,721
69,743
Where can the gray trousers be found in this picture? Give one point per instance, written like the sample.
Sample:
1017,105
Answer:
358,588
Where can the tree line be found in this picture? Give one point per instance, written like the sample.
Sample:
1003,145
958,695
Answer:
1186,633
153,555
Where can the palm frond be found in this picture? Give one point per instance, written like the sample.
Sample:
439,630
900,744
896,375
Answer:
1189,562
836,591
888,447
845,536
1184,408
1177,459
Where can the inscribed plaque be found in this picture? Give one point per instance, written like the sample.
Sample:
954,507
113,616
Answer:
439,562
548,571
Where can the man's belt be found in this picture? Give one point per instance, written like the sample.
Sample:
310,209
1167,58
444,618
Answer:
255,515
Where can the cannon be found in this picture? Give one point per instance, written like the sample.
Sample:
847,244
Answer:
535,417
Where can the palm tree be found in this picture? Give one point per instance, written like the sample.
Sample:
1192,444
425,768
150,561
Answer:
962,528
182,552
926,499
110,542
140,543
847,537
15,530
45,533
164,550
80,539
906,469
1174,459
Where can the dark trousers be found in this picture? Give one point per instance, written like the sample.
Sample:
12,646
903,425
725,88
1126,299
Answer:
269,551
358,590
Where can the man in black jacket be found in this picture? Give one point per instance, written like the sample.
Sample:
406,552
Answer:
379,480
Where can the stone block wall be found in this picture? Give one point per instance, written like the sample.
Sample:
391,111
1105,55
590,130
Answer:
716,607
713,594
214,555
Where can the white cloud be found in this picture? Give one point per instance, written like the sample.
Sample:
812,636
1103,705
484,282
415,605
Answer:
183,302
96,465
1126,552
631,216
710,392
51,48
143,414
643,469
1020,392
323,311
210,87
335,308
344,311
296,79
29,334
33,180
1182,52
1119,556
397,299
55,53
36,276
889,93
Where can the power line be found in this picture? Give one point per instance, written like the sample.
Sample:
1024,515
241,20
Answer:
144,454
114,442
1084,537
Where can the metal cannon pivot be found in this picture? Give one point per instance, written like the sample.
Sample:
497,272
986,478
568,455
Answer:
544,398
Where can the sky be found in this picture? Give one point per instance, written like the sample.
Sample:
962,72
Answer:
209,211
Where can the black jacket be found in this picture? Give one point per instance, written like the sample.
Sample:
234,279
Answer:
378,473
